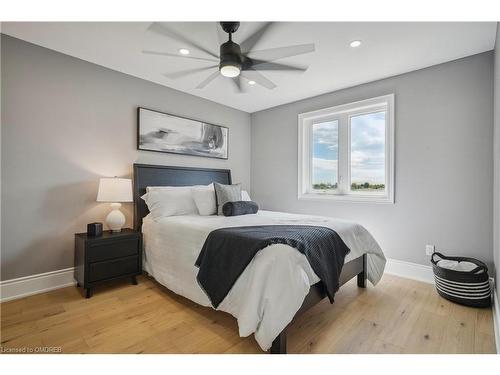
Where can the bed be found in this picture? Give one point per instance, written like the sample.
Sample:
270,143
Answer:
275,287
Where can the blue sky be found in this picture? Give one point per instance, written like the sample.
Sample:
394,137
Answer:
325,152
367,149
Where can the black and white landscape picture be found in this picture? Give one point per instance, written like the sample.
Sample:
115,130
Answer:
167,133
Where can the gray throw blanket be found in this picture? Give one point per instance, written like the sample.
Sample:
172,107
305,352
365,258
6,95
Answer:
228,251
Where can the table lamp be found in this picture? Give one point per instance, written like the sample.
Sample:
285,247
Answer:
115,190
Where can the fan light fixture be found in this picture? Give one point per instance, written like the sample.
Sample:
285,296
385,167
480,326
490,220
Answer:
230,71
233,60
230,52
355,43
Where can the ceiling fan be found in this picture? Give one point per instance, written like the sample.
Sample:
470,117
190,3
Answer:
234,60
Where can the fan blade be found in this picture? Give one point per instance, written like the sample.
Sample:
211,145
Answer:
281,52
267,65
209,79
237,83
174,55
162,30
252,40
253,75
183,73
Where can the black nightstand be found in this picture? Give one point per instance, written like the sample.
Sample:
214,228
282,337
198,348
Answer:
107,257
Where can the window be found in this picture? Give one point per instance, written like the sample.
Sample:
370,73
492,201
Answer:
325,155
347,152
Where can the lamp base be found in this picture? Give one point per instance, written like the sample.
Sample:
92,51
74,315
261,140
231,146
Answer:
115,219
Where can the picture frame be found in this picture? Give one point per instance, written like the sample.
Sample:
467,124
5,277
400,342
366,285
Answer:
168,133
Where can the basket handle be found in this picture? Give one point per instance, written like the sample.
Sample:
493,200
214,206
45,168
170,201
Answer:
433,261
480,265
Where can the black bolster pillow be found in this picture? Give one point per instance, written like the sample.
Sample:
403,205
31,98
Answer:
239,208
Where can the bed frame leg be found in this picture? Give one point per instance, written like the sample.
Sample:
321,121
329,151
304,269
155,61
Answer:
279,344
362,275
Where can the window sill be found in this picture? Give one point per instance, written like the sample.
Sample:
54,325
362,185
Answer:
346,198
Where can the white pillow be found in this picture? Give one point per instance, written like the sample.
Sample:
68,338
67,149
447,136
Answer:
245,196
204,198
170,201
151,188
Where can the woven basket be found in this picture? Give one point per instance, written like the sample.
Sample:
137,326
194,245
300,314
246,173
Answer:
467,288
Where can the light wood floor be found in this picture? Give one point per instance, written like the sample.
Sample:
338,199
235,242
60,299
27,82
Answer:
396,316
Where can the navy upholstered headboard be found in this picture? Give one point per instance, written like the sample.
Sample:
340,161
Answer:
159,175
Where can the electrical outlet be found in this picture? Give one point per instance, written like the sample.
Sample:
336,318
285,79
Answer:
429,249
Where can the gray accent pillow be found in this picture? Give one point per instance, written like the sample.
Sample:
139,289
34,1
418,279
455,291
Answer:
226,193
240,208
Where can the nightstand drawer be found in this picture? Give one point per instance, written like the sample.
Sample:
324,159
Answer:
113,268
116,249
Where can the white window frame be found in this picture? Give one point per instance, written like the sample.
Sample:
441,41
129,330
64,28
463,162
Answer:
343,113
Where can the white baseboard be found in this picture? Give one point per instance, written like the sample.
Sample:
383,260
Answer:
410,270
34,284
496,317
44,282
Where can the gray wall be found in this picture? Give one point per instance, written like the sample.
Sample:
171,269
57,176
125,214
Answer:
65,123
496,186
444,161
0,145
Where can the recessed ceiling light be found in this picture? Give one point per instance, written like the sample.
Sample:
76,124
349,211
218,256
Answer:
355,43
184,51
251,83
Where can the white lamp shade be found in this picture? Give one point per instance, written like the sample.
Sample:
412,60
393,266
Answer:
115,190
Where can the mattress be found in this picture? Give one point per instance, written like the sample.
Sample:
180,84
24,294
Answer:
272,288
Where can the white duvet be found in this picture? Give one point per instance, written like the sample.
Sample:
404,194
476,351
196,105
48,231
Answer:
272,288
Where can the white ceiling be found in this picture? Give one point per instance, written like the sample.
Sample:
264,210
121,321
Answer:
388,49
